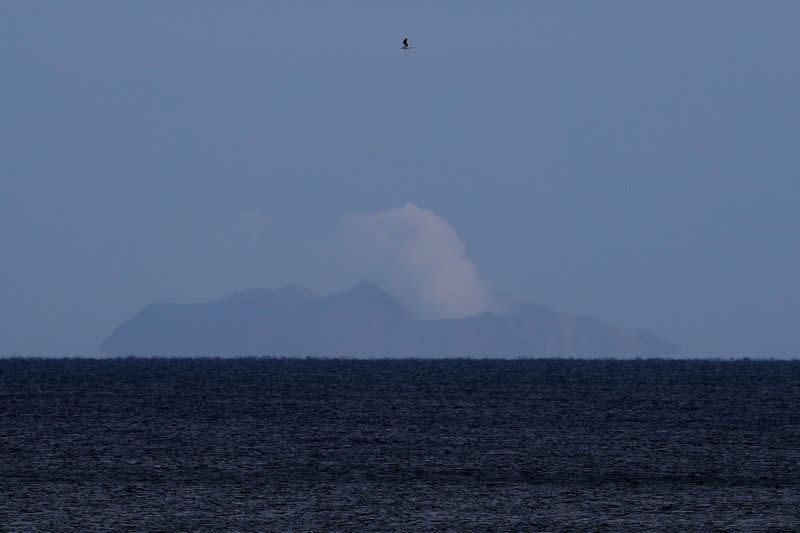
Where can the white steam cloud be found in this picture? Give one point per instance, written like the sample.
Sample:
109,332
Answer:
419,258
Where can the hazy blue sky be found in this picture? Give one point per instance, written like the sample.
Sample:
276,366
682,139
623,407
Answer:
630,160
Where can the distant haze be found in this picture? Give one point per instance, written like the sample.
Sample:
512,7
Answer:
632,161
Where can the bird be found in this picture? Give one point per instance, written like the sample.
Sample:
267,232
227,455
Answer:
406,46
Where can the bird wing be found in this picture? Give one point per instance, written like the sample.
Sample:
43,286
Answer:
405,42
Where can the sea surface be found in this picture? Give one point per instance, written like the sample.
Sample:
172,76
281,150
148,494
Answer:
409,445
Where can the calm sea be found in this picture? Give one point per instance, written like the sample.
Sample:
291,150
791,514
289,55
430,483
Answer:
328,445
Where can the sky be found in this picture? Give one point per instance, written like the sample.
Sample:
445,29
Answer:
634,161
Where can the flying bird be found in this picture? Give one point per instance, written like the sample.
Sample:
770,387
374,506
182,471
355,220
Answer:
406,46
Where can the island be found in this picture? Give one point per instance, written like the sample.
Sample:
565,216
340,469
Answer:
365,322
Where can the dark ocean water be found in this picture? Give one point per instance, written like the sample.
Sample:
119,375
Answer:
326,445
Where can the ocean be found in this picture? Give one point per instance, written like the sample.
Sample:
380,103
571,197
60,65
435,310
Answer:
399,445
